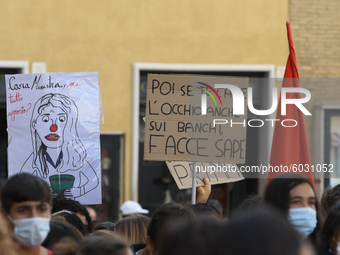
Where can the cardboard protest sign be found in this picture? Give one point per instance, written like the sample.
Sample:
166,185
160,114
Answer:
215,173
53,131
192,118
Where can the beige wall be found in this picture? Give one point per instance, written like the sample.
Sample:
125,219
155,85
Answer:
109,36
316,35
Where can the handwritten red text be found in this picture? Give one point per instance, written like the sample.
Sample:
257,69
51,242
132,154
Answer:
73,84
15,99
22,110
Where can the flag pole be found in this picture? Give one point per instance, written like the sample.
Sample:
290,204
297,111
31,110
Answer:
193,189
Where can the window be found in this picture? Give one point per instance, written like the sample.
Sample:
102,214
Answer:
6,67
332,147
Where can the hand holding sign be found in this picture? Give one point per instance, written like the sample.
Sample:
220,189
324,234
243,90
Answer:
203,192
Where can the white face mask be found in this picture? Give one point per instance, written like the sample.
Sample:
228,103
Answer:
31,232
303,220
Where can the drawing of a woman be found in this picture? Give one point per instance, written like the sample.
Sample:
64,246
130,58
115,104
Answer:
58,154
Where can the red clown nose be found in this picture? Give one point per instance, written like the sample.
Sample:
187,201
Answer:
53,128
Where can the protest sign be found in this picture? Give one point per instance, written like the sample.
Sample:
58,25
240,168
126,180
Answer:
191,118
53,131
215,173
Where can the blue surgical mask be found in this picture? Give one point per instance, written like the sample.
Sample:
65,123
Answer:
303,220
31,232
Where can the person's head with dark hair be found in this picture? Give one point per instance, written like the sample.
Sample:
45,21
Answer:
92,245
295,198
250,203
103,245
133,228
216,203
330,197
105,225
71,218
277,192
26,207
206,209
262,231
61,203
170,214
197,237
330,233
60,229
24,187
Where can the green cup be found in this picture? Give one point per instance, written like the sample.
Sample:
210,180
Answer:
61,182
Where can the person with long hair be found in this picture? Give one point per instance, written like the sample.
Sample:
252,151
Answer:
330,197
133,228
295,198
58,155
330,234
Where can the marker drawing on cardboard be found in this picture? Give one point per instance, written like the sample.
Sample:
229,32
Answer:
58,154
216,173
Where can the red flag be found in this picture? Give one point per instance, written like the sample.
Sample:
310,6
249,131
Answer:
290,146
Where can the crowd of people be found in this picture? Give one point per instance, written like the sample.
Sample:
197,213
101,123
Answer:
286,220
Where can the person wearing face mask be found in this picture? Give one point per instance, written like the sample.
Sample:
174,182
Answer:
26,207
294,196
330,233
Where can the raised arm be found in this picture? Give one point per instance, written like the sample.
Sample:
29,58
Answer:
203,192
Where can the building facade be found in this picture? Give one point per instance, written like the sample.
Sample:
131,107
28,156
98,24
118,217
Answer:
124,40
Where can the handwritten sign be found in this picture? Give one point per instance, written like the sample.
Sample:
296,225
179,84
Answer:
188,119
215,173
53,131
